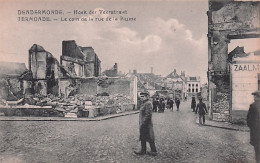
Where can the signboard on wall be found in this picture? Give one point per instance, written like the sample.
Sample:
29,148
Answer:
244,81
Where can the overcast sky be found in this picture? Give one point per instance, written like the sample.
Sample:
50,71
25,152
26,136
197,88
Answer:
166,35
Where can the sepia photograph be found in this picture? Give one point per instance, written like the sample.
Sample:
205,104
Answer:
133,81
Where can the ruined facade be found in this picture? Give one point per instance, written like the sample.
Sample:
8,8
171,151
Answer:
80,61
113,72
48,88
227,20
46,71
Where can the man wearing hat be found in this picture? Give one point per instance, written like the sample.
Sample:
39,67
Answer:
253,122
146,125
202,110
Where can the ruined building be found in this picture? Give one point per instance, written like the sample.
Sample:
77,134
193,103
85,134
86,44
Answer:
227,20
80,61
49,88
113,72
46,71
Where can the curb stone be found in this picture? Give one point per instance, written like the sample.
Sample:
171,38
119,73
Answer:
221,125
15,118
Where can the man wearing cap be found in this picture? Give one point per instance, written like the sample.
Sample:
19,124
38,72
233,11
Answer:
146,126
253,122
202,110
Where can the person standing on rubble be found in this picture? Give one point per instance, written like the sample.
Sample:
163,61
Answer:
253,122
146,126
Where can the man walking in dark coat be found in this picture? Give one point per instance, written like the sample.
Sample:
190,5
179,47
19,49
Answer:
177,102
193,104
155,104
202,110
171,104
253,122
146,126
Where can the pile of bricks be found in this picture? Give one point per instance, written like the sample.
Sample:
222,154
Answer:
222,117
101,105
221,108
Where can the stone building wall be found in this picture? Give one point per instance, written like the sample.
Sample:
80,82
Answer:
80,61
227,20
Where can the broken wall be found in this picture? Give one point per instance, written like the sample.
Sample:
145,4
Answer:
11,89
66,86
92,68
40,87
70,49
87,86
38,64
45,71
70,67
96,86
116,86
230,20
227,20
80,61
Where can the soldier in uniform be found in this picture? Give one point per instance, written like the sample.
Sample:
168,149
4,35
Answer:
146,126
253,122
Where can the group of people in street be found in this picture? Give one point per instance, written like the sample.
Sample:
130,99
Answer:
146,124
145,120
160,104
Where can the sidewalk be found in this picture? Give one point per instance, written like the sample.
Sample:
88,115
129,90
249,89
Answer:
16,118
224,125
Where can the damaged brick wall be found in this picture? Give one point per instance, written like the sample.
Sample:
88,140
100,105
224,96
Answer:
116,86
93,68
40,87
87,86
66,86
93,86
227,20
230,20
11,89
69,66
79,59
221,101
112,72
70,49
45,71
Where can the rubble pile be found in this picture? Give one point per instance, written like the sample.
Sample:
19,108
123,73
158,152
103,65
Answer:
101,105
221,108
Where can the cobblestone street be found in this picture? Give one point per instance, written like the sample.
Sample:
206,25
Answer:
178,139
